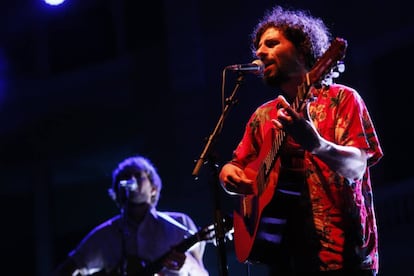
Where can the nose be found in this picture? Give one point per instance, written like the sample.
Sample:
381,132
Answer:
260,52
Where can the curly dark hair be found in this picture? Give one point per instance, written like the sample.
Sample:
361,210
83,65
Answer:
309,34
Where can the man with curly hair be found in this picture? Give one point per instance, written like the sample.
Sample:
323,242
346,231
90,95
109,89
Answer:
301,169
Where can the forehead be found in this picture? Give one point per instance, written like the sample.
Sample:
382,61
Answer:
132,171
272,33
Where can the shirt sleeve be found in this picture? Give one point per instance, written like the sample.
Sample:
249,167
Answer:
341,116
255,131
96,252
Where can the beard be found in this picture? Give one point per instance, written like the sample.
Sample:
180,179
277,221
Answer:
275,81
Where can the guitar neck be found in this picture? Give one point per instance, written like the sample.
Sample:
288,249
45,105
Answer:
182,247
187,243
278,140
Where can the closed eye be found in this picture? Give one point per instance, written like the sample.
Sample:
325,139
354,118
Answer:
271,43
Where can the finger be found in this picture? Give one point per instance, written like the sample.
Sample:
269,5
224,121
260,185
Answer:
283,103
247,180
292,113
240,179
230,186
174,264
283,119
243,186
168,263
232,180
277,124
286,110
283,116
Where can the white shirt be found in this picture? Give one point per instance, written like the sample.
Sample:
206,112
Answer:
158,232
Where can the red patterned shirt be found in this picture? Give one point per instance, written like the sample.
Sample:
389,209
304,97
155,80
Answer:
340,115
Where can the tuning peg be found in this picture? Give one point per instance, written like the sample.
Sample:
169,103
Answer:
334,74
341,67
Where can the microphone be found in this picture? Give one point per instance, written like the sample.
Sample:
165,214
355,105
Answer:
255,67
130,184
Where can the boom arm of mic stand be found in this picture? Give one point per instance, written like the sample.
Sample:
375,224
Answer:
211,139
205,157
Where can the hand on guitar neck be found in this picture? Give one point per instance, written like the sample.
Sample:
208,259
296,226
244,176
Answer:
296,125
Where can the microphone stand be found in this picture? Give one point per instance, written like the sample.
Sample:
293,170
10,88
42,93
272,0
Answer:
206,157
125,234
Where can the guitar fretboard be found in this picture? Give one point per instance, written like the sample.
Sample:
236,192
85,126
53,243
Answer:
270,159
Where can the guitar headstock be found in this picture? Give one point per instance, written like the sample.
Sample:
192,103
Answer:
208,233
329,64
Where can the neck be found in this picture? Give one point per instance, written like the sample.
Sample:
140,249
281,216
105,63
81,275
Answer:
290,88
137,211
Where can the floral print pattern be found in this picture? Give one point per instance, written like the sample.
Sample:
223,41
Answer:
338,205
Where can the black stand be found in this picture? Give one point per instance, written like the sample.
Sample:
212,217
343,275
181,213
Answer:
206,158
125,234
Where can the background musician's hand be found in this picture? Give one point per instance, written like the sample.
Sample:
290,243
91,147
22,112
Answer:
174,261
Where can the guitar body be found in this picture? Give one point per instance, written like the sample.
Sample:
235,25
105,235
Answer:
246,217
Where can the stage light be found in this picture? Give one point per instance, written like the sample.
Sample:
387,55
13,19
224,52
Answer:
54,2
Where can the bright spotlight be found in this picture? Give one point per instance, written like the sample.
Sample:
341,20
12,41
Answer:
54,2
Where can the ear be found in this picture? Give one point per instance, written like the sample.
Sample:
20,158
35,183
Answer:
303,60
154,191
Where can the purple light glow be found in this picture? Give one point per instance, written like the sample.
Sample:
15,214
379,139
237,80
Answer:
54,2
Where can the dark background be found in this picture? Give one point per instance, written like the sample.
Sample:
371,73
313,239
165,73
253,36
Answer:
89,83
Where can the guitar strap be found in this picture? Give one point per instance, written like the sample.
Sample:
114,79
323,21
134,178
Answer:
174,222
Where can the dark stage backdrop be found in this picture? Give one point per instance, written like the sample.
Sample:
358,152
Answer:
86,84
